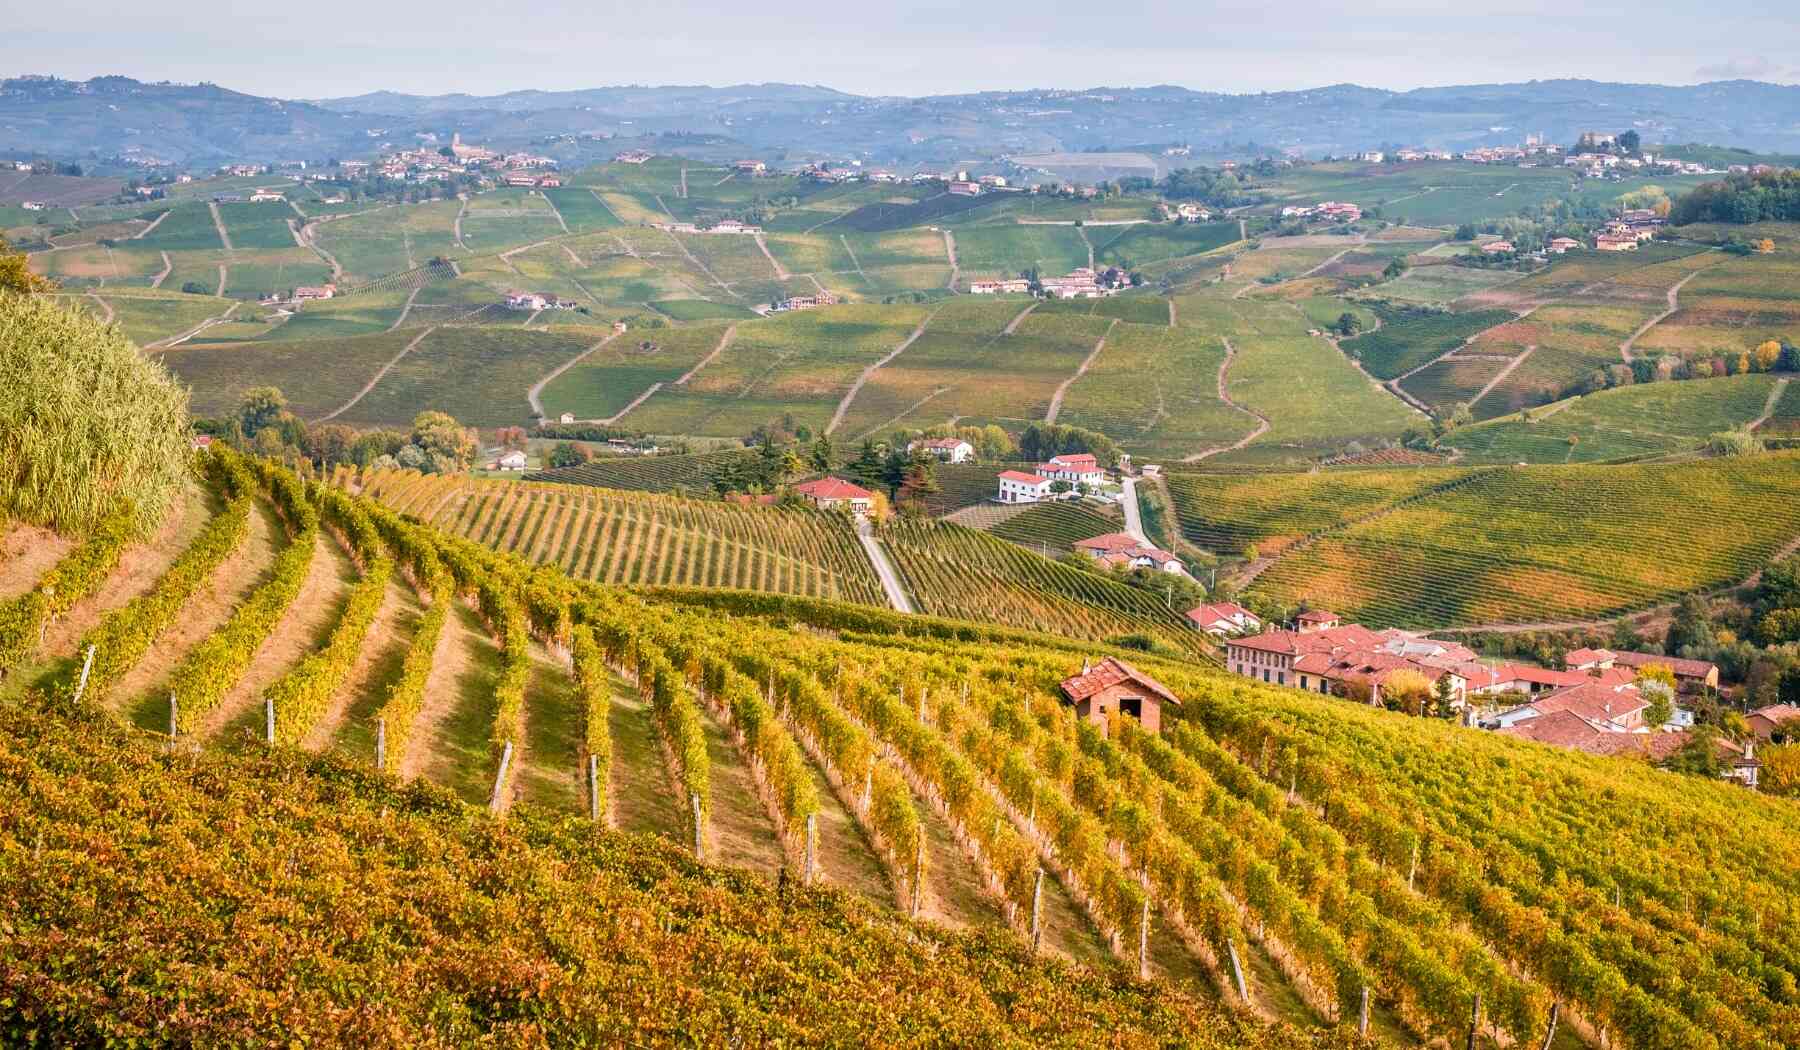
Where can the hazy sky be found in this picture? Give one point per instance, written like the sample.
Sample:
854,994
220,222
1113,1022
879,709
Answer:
320,50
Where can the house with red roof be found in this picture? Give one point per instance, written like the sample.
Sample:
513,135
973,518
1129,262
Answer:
1270,656
1124,549
1016,486
1689,674
1524,678
1221,619
1777,722
1076,469
1114,687
1317,620
947,450
837,494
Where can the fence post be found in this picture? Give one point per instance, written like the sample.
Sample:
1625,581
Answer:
174,717
500,779
1362,1017
594,787
1237,970
381,743
1414,870
1550,1032
918,879
1037,912
868,788
1475,1021
87,665
812,844
269,719
699,852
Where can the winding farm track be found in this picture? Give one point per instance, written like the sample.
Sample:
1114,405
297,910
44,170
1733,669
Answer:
404,310
537,388
1262,421
294,231
843,407
950,251
697,263
376,378
177,340
456,227
1087,362
1082,231
608,207
682,192
635,402
168,267
106,307
554,211
154,223
1675,290
220,293
219,224
724,342
1013,325
854,261
1501,377
1769,405
312,241
781,273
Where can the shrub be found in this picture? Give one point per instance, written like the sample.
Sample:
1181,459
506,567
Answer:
87,423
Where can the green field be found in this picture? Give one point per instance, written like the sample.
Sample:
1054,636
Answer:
1155,391
187,226
1408,339
259,226
478,375
317,375
1147,243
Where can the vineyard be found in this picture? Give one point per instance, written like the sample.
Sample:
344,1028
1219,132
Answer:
1537,544
1288,868
1229,513
636,538
675,473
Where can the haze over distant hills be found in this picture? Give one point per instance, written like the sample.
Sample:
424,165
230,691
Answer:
109,116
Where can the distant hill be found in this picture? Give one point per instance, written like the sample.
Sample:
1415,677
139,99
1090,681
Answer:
114,115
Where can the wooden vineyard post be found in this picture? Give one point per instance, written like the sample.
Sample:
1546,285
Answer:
269,720
1414,870
1144,943
868,796
699,853
918,879
812,845
1362,1015
594,788
174,719
1037,912
1550,1032
1237,970
87,664
1475,1021
381,743
500,778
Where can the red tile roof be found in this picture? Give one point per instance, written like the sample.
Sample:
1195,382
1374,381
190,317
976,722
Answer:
1019,475
1349,636
1683,668
1593,701
1081,460
1576,659
945,443
1112,541
832,488
1229,612
1542,676
1316,616
1110,672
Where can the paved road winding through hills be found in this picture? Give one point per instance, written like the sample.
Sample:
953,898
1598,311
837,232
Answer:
890,580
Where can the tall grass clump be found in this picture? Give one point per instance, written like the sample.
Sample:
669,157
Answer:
88,424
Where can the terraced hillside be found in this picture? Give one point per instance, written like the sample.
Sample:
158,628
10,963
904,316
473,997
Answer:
1249,859
1525,544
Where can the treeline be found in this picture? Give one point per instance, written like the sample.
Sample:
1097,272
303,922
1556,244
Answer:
1772,196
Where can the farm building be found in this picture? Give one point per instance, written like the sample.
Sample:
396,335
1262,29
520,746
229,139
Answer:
1006,287
1114,686
1689,674
1124,549
1777,722
305,292
1608,242
948,450
753,167
1312,620
837,494
511,461
1220,619
965,189
1076,469
1016,486
1559,245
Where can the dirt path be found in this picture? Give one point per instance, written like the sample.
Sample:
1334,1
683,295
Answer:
1087,362
724,342
642,801
954,893
781,273
294,231
1082,230
138,693
302,629
1504,372
406,309
844,856
1769,405
950,252
177,340
168,267
557,213
456,227
608,207
635,402
728,177
739,830
1262,421
27,553
376,378
219,224
220,291
837,417
348,721
854,261
140,567
1674,291
105,308
537,388
1013,325
714,278
154,223
681,190
575,260
312,241
1171,311
450,740
549,772
663,206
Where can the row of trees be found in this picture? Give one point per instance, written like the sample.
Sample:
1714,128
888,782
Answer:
1770,196
435,444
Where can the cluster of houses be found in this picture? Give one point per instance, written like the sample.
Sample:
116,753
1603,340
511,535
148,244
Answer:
1080,283
1326,211
1078,473
426,164
1121,550
632,156
724,226
303,294
1633,227
1595,704
538,301
804,302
